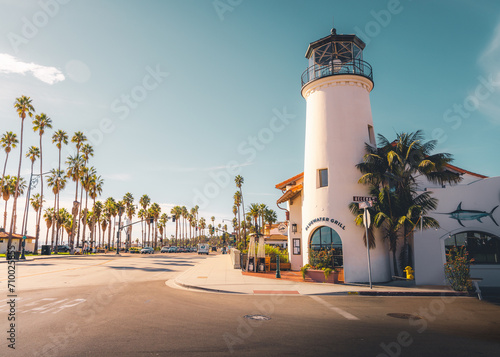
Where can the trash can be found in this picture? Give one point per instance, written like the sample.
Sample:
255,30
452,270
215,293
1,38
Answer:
45,249
243,261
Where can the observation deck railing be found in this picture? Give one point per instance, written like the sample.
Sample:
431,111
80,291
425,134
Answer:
356,67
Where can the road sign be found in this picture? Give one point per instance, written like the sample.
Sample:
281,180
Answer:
367,219
365,204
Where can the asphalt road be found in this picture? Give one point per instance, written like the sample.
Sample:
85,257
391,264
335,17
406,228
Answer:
108,306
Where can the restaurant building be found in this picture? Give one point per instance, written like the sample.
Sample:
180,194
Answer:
336,86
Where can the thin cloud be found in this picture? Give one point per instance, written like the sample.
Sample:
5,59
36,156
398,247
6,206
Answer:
118,177
10,64
488,60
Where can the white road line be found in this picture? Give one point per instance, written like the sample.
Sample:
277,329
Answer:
336,309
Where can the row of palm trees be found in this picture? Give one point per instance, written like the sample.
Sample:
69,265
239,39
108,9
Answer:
391,171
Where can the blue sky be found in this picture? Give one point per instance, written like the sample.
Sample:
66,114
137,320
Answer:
178,96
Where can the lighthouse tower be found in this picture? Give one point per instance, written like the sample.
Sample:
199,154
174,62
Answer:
336,87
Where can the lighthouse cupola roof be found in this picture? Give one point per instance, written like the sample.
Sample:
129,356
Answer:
336,55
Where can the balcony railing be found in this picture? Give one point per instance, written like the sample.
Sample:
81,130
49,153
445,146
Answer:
356,67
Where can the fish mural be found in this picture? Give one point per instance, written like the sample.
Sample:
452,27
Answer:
469,215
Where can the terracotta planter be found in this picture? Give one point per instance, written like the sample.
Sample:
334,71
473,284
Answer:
283,266
319,276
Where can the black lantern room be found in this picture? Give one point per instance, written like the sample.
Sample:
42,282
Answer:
336,55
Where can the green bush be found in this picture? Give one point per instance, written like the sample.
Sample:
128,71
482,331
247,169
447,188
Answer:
321,259
272,252
457,269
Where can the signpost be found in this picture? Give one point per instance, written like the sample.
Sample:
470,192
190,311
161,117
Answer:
367,222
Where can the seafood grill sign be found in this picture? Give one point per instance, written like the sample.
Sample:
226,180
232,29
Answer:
325,219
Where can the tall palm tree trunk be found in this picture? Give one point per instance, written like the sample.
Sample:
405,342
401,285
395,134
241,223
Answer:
16,192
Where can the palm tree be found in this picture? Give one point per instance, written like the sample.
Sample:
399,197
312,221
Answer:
254,212
86,181
270,217
60,137
87,151
106,218
128,199
142,216
110,210
202,225
184,214
95,190
37,203
8,141
56,180
33,154
24,108
155,212
144,202
49,219
239,180
120,209
8,187
74,171
40,123
391,171
237,204
98,208
176,212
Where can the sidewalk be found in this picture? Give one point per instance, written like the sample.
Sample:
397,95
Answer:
216,274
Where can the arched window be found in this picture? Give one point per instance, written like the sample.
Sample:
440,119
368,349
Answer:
484,248
325,238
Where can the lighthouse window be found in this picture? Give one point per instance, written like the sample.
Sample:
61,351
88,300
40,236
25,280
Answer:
371,135
484,248
323,177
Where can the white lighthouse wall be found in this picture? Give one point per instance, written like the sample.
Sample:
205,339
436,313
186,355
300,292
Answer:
338,116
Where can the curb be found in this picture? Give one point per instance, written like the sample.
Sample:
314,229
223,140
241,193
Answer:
194,287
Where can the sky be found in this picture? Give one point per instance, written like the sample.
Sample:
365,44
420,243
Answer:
179,96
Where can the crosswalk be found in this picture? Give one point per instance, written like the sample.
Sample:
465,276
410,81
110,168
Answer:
41,306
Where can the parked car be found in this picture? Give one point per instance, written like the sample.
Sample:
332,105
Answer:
172,250
164,249
147,250
63,248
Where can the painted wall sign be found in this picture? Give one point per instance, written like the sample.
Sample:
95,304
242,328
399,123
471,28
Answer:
325,219
468,215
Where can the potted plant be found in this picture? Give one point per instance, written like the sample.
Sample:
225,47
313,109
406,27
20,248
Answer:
321,268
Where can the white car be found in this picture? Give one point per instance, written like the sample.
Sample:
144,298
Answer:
147,250
203,248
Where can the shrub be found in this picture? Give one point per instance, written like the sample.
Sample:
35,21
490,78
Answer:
457,269
321,259
303,270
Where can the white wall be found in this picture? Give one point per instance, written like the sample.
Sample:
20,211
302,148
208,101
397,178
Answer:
481,195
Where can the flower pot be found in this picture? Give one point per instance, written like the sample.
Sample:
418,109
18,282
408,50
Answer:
319,276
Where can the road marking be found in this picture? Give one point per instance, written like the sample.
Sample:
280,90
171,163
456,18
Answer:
336,309
54,306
